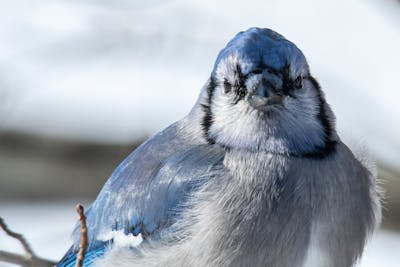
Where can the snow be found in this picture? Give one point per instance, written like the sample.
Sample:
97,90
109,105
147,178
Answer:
47,226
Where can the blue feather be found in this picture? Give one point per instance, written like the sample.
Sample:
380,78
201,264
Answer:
262,47
69,260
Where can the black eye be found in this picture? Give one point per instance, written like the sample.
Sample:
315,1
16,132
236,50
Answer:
241,93
227,86
298,82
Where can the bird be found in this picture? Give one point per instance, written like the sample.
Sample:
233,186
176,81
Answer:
255,175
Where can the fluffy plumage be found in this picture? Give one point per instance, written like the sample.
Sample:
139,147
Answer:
254,175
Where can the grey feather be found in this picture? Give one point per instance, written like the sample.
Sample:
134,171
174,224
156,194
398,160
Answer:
264,215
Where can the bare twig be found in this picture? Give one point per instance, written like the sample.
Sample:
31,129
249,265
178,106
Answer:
29,259
83,242
19,237
22,260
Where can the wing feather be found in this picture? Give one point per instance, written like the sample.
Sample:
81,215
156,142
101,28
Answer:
149,187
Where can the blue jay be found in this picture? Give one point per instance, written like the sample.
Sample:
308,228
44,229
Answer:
254,175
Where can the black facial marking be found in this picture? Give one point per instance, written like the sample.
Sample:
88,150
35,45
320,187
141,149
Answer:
298,82
227,86
257,71
241,93
241,76
287,84
208,118
329,143
240,86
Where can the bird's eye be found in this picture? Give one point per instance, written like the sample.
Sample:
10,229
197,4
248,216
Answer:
298,82
227,86
242,93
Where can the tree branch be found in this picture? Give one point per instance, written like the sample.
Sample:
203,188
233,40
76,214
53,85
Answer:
19,237
83,242
22,260
29,259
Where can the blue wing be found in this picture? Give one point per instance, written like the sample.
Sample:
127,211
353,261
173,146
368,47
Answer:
69,260
149,187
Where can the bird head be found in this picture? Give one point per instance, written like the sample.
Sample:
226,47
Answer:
261,96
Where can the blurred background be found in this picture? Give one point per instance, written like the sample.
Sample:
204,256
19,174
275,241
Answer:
82,83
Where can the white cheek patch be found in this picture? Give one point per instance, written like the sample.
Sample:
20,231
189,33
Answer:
233,124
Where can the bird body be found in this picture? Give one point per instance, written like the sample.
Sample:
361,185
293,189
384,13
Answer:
254,175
